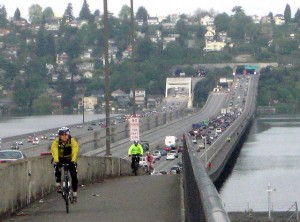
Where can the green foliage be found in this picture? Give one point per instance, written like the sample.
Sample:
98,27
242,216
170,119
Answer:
222,22
35,14
142,14
68,14
48,13
42,104
287,14
125,12
17,14
85,12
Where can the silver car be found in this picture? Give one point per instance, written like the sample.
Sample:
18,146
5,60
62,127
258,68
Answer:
11,155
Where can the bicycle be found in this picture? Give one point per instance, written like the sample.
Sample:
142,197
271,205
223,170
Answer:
135,160
148,172
66,189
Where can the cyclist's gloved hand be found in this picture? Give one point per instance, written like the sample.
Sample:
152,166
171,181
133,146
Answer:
74,164
56,165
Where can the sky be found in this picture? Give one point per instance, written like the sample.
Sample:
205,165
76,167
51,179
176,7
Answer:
157,7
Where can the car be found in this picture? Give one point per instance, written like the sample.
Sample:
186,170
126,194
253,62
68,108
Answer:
90,128
30,139
14,146
43,137
145,145
175,169
156,154
11,155
175,152
79,126
170,156
52,137
143,161
35,142
163,152
93,123
20,142
168,148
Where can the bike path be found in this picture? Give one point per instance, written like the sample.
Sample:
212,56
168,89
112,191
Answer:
132,198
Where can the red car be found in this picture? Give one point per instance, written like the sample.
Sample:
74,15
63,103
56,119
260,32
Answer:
30,139
168,149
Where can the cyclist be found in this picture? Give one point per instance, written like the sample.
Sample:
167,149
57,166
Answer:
65,149
150,161
135,151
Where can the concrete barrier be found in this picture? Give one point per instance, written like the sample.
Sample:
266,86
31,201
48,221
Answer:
25,181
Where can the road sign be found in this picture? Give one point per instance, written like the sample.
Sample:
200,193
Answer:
134,125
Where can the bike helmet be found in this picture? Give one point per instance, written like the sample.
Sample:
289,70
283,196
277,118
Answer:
63,130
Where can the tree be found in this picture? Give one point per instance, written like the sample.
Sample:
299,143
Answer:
297,16
3,16
85,12
35,14
125,12
222,22
68,14
287,13
17,14
142,14
144,49
48,13
237,10
97,13
42,104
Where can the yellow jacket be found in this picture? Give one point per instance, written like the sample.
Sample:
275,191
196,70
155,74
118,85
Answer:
69,151
133,149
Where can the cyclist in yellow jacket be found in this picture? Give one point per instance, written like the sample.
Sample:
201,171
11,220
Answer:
135,151
65,149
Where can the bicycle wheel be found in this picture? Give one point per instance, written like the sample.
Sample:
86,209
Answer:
67,197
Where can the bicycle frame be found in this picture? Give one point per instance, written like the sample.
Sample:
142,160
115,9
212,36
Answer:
135,158
66,190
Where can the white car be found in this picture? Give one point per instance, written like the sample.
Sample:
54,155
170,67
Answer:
157,154
170,156
143,161
35,142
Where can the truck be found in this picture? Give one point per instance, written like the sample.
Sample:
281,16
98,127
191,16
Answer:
171,141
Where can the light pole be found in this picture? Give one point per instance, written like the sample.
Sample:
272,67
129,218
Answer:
269,200
83,108
133,75
106,75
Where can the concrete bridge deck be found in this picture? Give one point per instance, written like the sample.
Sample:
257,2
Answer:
131,198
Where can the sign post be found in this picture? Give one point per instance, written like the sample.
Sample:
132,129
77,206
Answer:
134,128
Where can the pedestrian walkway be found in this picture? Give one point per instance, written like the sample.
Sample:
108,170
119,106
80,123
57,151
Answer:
133,198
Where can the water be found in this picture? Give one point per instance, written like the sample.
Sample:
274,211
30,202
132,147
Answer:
271,154
22,125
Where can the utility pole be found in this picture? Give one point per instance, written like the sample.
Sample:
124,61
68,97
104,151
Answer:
269,200
133,75
83,108
106,76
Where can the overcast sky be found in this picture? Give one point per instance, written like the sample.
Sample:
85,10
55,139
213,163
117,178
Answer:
158,7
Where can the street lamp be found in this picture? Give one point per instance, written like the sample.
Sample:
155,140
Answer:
106,77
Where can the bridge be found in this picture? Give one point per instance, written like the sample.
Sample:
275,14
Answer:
182,87
125,197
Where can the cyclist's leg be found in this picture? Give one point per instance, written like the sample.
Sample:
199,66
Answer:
57,173
73,173
132,162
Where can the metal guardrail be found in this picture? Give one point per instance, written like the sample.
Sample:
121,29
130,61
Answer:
202,201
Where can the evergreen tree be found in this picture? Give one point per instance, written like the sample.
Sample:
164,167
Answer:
85,12
68,14
3,16
17,14
287,13
297,17
48,13
142,14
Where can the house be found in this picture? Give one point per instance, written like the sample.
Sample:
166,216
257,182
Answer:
4,32
222,36
265,20
256,19
140,95
279,19
210,35
118,93
214,46
207,21
85,66
88,75
62,58
89,102
168,25
153,21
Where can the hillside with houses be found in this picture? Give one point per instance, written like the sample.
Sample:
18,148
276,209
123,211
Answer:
55,65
